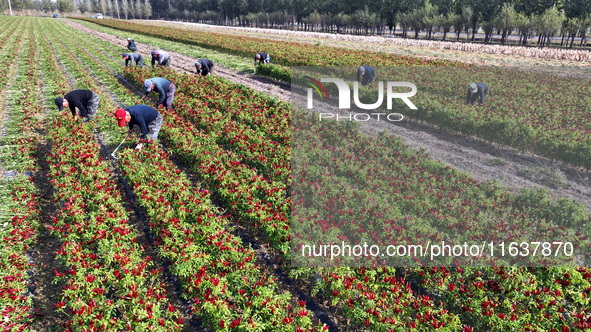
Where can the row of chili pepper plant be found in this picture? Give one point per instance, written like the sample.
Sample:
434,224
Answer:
467,182
261,307
111,282
283,53
513,298
361,272
524,115
252,127
228,289
215,166
20,213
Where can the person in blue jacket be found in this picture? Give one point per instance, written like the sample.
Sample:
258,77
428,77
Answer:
366,75
131,45
163,87
130,58
262,57
147,118
477,90
204,67
161,58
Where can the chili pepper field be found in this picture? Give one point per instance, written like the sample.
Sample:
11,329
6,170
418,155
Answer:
194,232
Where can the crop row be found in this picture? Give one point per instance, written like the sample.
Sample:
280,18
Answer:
371,298
110,281
512,298
283,53
332,287
527,109
228,289
261,304
528,114
20,212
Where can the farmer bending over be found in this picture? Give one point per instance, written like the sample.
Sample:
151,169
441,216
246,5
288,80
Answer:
131,57
476,90
147,118
163,87
204,67
131,45
262,57
85,100
366,74
161,57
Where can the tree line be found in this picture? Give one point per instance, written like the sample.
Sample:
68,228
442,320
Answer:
536,21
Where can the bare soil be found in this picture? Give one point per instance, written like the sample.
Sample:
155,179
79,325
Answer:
482,160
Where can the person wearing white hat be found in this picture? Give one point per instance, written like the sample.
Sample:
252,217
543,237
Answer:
476,90
366,75
131,45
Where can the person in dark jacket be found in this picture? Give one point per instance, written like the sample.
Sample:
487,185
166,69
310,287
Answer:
131,45
366,75
131,57
147,118
476,90
161,57
85,100
262,57
204,67
163,87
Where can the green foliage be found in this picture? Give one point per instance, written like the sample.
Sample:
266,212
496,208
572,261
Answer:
563,211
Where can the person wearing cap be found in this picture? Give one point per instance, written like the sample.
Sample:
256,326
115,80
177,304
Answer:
366,75
131,57
147,118
476,90
131,45
85,100
161,57
262,57
163,87
203,67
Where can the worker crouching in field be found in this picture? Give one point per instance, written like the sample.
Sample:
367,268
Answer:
366,75
131,45
204,67
86,101
160,57
262,57
130,58
163,87
476,90
147,118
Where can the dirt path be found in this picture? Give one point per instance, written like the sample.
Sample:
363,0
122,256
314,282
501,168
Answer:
483,160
